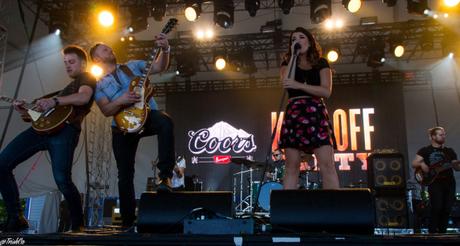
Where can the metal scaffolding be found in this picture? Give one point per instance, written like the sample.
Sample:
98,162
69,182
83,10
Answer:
99,163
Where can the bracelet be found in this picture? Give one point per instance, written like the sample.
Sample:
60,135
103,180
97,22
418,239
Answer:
166,51
56,101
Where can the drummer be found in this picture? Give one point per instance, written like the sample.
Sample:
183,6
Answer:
276,170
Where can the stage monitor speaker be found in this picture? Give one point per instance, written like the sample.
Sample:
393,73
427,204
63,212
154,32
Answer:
391,211
166,212
386,171
333,211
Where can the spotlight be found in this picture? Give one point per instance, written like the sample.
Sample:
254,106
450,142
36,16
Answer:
199,34
390,3
376,52
332,55
220,63
106,18
131,38
417,6
192,10
446,15
352,5
96,71
224,13
449,42
451,3
435,16
398,51
396,44
58,23
252,6
158,9
209,34
320,10
451,55
122,39
286,5
139,15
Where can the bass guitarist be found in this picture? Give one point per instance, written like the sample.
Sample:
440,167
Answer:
60,144
112,95
442,189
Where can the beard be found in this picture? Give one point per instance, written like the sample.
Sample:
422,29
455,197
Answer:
440,142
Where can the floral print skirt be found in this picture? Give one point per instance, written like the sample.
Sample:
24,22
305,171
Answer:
306,125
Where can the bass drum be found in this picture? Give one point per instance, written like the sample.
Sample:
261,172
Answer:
265,190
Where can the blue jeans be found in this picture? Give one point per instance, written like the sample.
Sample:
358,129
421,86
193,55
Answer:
124,149
61,147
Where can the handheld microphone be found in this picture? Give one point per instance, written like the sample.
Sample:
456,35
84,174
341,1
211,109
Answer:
296,46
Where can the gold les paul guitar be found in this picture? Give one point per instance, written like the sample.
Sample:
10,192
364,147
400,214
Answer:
45,122
132,118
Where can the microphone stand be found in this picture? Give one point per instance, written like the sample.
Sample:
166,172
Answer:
291,66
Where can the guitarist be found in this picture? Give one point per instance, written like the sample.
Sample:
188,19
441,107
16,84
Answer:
112,94
60,144
442,190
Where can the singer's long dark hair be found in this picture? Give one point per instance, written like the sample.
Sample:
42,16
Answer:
314,51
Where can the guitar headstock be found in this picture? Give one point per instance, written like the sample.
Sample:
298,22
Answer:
170,25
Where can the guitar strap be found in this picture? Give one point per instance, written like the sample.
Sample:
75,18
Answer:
125,69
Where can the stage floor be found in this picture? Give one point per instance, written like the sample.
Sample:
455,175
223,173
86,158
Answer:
111,237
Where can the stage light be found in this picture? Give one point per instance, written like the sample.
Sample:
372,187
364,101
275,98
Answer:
192,10
158,9
339,24
451,55
435,16
376,52
417,6
449,42
332,55
320,10
329,24
96,71
220,63
58,23
122,39
446,15
451,3
252,6
139,15
390,3
286,5
398,51
396,44
209,34
199,34
224,13
131,38
106,18
352,5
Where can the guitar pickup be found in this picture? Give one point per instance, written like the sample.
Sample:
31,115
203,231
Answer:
50,111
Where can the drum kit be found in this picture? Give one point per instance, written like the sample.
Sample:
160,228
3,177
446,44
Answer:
246,187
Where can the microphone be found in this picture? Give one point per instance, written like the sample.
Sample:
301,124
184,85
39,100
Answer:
296,46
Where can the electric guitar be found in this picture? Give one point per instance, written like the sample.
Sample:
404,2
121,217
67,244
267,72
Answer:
428,178
132,118
45,122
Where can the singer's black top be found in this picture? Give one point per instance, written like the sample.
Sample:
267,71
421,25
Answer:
310,77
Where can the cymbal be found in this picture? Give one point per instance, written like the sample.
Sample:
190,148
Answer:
248,163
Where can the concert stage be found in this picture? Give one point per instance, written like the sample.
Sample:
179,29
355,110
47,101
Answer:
111,237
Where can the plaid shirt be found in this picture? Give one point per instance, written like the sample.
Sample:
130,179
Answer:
108,86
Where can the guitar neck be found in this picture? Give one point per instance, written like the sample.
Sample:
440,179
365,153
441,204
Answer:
12,100
148,67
